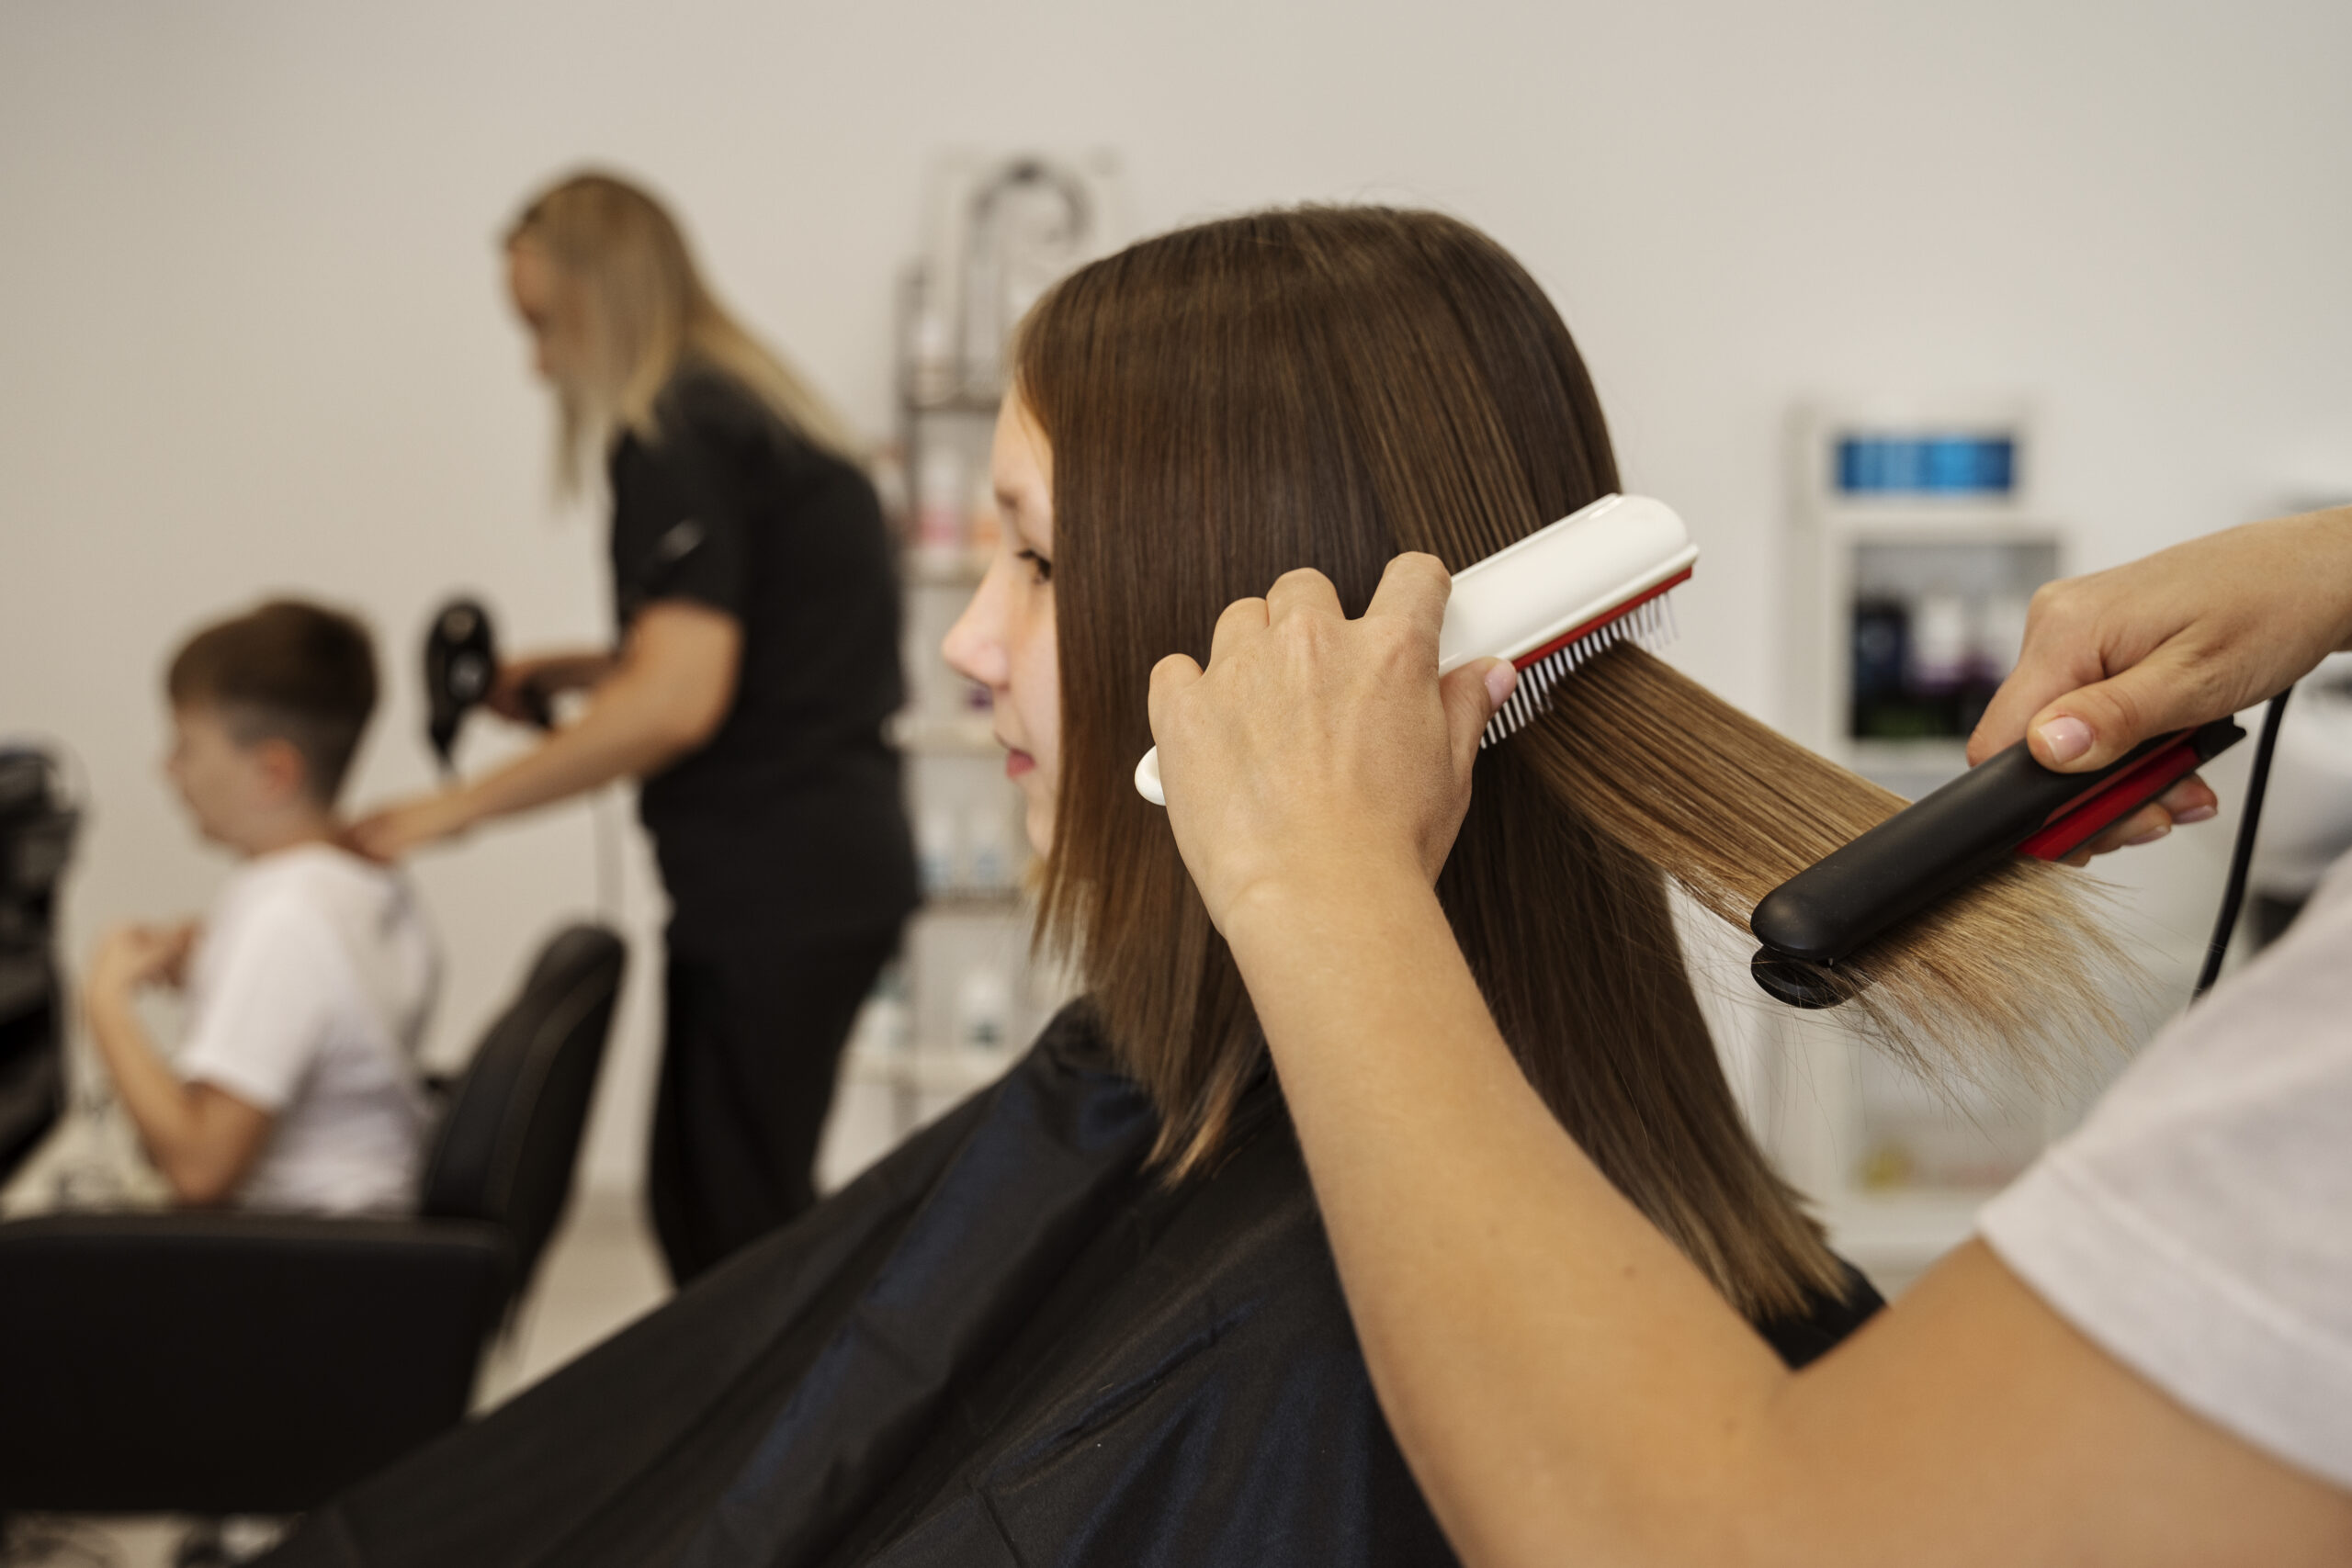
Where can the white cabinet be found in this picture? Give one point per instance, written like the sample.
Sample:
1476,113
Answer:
1914,546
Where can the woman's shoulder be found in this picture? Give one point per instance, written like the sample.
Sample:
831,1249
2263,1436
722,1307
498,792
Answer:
702,402
705,397
707,411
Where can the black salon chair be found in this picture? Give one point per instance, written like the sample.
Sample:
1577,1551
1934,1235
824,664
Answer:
38,823
223,1363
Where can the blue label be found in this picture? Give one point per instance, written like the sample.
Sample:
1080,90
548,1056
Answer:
1926,465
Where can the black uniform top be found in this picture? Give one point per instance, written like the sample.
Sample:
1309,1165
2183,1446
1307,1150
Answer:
789,818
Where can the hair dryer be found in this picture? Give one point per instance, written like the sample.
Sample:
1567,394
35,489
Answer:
460,667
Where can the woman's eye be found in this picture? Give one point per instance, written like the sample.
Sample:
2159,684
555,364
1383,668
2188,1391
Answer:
1040,568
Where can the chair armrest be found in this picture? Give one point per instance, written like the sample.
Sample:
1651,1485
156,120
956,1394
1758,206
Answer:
231,1363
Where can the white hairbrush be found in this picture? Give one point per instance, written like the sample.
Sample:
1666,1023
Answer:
1596,578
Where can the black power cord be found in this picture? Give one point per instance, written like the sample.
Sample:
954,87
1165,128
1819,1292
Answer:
2234,892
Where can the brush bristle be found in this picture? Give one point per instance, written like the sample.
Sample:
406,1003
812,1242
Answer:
1648,624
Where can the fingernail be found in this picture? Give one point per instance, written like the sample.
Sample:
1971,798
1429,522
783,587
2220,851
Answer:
2066,739
2150,837
1502,679
2194,814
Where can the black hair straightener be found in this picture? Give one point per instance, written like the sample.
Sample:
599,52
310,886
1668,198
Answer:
2009,805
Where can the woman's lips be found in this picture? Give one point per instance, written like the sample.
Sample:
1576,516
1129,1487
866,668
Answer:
1017,761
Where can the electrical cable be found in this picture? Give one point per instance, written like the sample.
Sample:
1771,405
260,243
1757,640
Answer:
603,810
2241,856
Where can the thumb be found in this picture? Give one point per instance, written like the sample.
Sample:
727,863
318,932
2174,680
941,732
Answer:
2089,728
1473,695
1169,676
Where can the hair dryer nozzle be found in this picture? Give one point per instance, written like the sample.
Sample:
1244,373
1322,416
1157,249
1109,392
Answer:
460,664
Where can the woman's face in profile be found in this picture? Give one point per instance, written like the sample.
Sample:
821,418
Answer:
536,287
1004,640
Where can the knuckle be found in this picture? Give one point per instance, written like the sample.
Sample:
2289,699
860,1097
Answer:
2124,705
1240,612
2059,606
1427,566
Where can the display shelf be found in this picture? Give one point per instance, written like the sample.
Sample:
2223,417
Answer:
935,568
945,737
1916,544
977,405
967,992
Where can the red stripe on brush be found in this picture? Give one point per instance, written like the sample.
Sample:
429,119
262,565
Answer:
1594,625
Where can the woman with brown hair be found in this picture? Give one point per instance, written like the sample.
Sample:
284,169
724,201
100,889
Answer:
757,666
1091,1315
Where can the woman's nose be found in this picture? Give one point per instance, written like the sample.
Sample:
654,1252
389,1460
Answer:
974,645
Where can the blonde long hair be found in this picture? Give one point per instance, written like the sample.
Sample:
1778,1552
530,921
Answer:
644,313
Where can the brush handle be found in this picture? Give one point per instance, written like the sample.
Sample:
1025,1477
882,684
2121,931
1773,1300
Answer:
1567,580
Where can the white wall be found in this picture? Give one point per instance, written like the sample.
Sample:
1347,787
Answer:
249,337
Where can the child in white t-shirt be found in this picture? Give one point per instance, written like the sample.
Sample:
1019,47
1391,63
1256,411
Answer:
296,1085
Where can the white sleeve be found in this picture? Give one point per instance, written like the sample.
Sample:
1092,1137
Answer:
2199,1224
268,1009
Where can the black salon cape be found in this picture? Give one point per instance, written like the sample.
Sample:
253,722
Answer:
1005,1344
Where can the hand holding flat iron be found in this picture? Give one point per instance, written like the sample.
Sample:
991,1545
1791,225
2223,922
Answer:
2177,638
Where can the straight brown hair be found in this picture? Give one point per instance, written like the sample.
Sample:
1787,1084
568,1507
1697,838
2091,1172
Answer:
1327,387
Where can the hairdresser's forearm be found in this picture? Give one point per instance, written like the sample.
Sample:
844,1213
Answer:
572,670
667,694
628,732
1566,1385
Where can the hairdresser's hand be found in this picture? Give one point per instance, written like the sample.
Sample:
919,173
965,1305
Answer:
524,687
1318,754
391,833
2181,638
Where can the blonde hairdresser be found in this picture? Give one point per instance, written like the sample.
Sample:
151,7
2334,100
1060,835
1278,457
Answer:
752,669
1566,1386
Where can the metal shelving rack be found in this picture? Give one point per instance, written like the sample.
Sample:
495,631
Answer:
930,1058
997,230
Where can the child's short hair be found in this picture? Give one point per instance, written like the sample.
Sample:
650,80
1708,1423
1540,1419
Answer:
288,672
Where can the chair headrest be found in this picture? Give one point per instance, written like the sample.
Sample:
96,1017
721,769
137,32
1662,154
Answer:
506,1145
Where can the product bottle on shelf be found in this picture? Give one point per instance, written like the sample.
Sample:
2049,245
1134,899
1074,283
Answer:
939,501
984,526
936,848
983,1009
986,845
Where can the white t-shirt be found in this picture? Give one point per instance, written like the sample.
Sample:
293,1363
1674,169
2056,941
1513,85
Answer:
308,992
2198,1224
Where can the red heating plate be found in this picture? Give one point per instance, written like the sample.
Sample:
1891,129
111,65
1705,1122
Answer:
1594,625
2112,799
